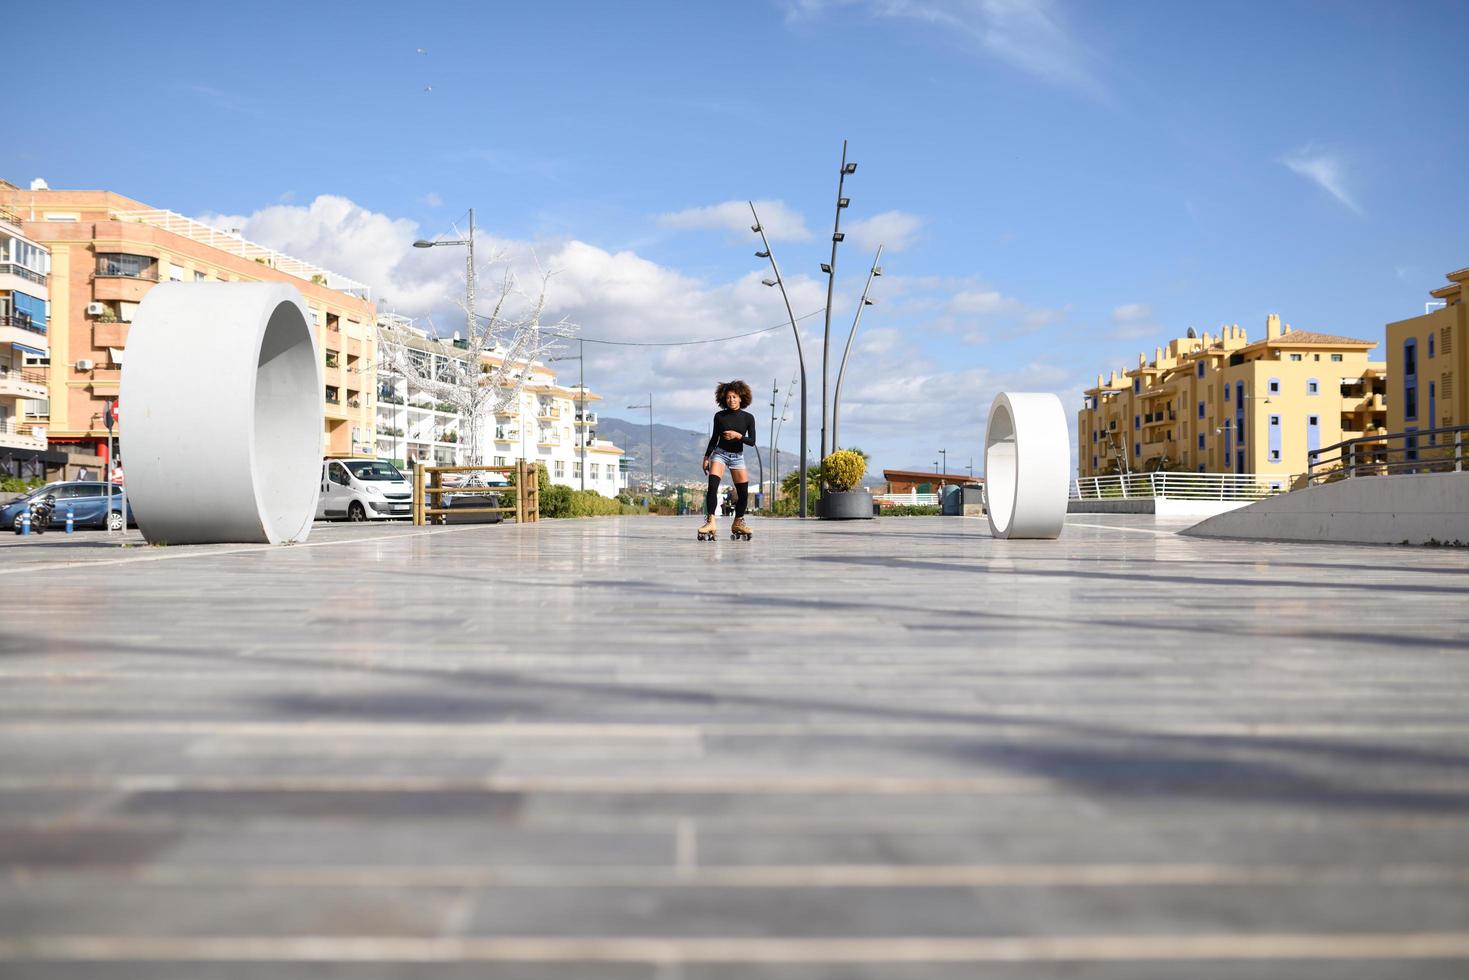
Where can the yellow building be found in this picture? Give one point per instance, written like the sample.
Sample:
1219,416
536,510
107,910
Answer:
1226,405
1428,357
107,251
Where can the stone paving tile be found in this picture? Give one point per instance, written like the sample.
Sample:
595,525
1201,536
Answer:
414,745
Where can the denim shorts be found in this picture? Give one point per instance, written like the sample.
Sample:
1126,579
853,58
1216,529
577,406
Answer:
733,461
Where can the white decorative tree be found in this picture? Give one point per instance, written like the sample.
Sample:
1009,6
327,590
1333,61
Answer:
497,356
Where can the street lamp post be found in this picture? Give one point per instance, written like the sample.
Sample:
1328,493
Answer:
649,407
468,310
836,397
945,454
765,253
831,278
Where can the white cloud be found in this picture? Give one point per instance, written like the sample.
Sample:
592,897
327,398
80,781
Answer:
1131,312
781,223
1032,36
433,200
891,384
894,230
1325,170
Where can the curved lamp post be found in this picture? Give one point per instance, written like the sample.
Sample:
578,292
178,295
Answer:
836,398
831,277
765,253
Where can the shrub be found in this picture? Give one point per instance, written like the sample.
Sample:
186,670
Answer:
903,510
14,484
843,470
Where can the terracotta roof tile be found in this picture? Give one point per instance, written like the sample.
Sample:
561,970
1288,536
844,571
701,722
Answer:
1308,337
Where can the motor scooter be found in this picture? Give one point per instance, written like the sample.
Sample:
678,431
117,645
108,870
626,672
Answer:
41,511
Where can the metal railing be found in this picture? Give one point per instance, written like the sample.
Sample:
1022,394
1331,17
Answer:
908,499
1179,486
30,275
26,430
23,322
1439,450
28,375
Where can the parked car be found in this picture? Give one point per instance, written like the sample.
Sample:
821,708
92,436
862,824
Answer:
475,490
85,499
362,490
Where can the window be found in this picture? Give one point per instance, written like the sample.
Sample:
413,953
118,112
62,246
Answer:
500,461
1094,462
198,275
1274,386
1295,357
1201,409
1226,392
560,468
576,467
595,467
1201,369
1137,422
1430,343
339,474
1139,451
332,394
1312,386
1334,357
1201,440
126,266
1137,385
1410,378
1317,357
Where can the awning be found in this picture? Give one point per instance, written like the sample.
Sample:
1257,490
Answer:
29,350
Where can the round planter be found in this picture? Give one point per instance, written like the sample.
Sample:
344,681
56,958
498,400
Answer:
849,505
244,356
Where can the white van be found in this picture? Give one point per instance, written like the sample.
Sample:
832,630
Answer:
363,490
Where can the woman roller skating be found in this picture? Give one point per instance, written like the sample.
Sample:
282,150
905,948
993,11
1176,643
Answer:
734,429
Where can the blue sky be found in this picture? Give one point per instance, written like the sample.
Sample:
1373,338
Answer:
1059,184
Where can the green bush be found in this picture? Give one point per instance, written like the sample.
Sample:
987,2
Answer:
14,484
900,510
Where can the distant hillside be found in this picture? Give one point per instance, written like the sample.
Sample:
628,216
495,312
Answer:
677,452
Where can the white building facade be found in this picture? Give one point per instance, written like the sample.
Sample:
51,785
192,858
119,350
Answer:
552,424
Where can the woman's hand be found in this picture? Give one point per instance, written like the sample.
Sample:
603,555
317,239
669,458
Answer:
706,465
732,434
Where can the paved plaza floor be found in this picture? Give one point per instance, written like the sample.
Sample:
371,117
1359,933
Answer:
884,749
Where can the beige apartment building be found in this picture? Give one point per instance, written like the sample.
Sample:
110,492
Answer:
25,268
107,251
1224,404
1428,357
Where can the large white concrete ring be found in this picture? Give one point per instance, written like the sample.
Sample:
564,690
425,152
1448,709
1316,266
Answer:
1027,461
221,404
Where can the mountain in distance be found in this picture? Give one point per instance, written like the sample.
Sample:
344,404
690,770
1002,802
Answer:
678,453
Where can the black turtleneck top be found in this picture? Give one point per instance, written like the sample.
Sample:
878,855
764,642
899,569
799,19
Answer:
736,420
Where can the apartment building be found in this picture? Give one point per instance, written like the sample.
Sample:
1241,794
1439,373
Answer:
1226,404
550,424
25,267
107,251
1428,359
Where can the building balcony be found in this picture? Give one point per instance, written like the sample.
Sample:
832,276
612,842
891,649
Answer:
128,289
586,418
19,278
110,334
20,330
506,435
23,383
22,435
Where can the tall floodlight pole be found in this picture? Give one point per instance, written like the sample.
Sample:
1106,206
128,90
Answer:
836,395
831,278
770,436
765,253
581,412
649,407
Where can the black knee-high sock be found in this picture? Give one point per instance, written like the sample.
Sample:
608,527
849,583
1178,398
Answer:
711,498
742,498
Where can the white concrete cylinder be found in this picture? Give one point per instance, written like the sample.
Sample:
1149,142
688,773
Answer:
1027,463
221,404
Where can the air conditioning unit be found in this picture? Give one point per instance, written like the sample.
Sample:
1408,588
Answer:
85,365
96,309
